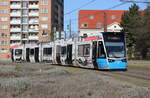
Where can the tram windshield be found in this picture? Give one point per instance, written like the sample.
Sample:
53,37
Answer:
115,49
18,52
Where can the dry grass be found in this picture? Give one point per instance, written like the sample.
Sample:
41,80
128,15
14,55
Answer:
45,81
139,63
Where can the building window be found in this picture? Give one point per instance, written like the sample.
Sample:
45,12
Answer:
3,19
44,10
3,35
25,12
98,25
3,27
3,3
25,28
3,11
45,33
3,50
44,26
44,2
24,20
44,18
91,17
24,4
4,42
85,25
113,17
24,36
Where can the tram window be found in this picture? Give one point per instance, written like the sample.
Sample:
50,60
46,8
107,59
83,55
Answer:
31,51
18,52
80,50
63,50
101,52
47,51
84,50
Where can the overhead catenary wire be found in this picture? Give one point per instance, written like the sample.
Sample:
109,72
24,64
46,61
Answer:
133,1
80,7
115,6
104,14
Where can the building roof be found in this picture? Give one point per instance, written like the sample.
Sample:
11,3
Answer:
94,19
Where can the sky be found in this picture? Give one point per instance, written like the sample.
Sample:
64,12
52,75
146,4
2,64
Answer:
70,5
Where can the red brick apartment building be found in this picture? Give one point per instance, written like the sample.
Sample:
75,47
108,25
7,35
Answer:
28,21
93,21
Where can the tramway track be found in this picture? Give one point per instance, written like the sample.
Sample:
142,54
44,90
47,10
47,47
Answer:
130,76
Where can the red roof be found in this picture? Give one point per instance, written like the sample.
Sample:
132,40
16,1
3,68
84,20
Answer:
93,19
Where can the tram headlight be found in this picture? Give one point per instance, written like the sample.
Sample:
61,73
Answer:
124,60
111,60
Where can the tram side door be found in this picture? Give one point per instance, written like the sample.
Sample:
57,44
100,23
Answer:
94,54
69,54
101,61
36,55
27,55
58,48
12,55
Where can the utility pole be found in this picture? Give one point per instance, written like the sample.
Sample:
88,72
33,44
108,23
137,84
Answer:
105,22
70,30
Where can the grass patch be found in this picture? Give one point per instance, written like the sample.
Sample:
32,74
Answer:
56,72
147,61
139,65
18,68
14,83
130,82
4,70
75,70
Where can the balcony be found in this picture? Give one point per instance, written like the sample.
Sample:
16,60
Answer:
15,30
35,37
34,14
33,6
33,30
15,14
15,6
33,22
15,22
15,37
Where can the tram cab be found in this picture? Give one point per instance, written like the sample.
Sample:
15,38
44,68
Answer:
17,54
110,53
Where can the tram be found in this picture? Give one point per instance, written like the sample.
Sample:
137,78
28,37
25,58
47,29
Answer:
106,50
